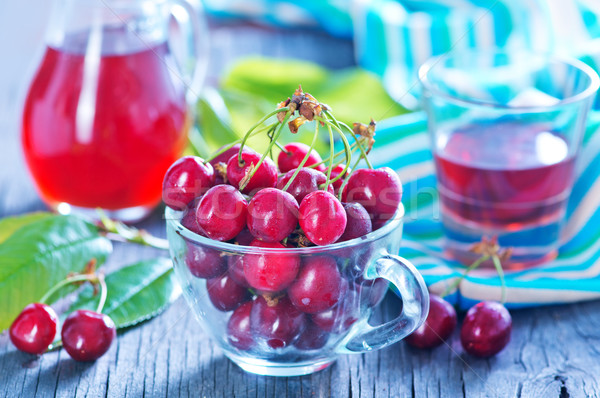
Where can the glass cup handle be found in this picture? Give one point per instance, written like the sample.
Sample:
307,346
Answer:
195,62
415,306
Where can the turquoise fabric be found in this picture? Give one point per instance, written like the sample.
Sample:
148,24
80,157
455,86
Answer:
403,144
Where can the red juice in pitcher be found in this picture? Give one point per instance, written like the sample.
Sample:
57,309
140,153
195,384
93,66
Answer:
101,128
503,179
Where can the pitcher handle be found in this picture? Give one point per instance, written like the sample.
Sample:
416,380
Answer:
195,64
415,306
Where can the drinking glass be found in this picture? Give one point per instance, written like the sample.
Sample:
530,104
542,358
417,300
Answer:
265,332
106,112
505,132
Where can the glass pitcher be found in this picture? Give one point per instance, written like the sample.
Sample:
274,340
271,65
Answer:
107,110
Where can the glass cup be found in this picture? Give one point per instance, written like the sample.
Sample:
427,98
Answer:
505,133
106,112
272,333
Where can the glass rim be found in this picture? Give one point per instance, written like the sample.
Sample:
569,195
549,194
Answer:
173,222
594,80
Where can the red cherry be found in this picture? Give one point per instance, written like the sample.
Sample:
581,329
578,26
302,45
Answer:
264,177
225,293
272,215
337,170
189,220
295,153
379,191
204,262
236,270
244,238
358,221
371,291
87,335
306,181
276,321
338,319
239,334
270,272
311,337
317,286
438,326
186,179
34,329
486,329
224,157
221,212
322,218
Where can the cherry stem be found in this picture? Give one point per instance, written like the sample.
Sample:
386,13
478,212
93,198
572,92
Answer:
331,153
103,293
304,159
261,121
67,281
233,143
353,148
117,231
457,282
500,271
256,166
339,125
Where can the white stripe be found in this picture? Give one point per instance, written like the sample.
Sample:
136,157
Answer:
588,205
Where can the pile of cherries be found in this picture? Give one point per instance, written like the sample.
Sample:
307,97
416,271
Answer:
86,335
294,199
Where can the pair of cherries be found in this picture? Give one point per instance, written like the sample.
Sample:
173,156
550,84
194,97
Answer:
485,330
86,335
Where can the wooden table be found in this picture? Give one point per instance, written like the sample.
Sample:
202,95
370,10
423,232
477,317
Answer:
554,352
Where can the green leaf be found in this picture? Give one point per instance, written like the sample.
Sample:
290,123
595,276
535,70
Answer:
40,254
9,225
135,293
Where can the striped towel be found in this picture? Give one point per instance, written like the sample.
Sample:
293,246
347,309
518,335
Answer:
403,144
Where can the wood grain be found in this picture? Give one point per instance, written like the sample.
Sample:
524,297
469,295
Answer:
554,352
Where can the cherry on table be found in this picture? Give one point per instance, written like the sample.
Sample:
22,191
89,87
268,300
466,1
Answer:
34,328
438,326
270,272
317,286
486,329
358,221
293,155
272,215
225,293
221,213
379,191
186,179
239,333
322,217
306,181
87,335
277,321
264,177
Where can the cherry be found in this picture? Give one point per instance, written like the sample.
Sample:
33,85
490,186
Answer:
221,213
312,337
295,153
236,270
189,220
224,157
358,221
317,286
306,181
264,177
244,238
186,179
239,334
87,335
371,291
270,272
225,293
272,215
338,319
34,329
438,326
322,217
204,262
486,329
379,191
337,170
277,321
